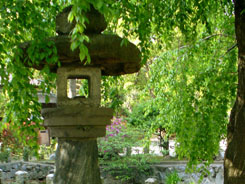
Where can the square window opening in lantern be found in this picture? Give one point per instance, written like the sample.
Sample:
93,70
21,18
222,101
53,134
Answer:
78,87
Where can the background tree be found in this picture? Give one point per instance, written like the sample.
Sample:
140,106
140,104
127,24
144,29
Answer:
235,154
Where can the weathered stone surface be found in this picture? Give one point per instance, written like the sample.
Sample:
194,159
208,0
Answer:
219,176
78,132
96,23
151,181
49,179
161,171
21,177
35,170
77,162
77,116
106,52
92,74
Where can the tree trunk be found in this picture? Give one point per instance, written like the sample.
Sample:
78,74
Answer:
77,162
234,164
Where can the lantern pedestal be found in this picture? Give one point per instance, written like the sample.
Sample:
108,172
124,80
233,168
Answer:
77,162
77,122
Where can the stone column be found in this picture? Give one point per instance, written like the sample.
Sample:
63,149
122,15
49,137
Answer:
21,177
77,162
49,179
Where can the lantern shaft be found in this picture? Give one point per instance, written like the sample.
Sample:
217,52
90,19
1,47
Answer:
77,162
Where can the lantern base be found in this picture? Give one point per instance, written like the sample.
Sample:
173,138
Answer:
77,162
77,121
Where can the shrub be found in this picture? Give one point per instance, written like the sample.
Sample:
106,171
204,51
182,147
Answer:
115,152
26,154
5,155
173,178
129,169
119,138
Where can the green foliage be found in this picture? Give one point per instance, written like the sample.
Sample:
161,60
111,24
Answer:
84,88
77,13
22,21
3,101
143,116
119,138
45,151
194,97
5,155
149,22
26,154
193,86
112,92
129,169
165,152
173,178
115,152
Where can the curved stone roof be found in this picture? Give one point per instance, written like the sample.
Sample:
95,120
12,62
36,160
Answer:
96,22
106,52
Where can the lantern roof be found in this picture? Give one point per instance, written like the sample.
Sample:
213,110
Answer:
106,50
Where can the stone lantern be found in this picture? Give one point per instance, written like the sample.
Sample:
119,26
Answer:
79,120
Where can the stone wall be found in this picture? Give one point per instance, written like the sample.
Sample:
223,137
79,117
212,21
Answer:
162,170
35,170
38,171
